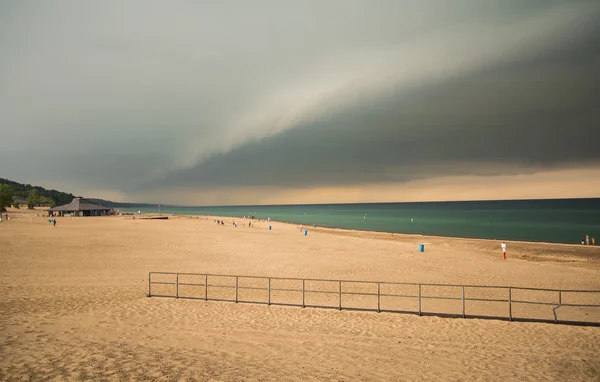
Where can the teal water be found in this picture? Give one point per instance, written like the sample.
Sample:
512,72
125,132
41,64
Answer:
556,221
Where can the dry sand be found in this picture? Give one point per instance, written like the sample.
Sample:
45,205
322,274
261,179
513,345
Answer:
73,306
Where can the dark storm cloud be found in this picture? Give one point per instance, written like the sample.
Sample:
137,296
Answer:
533,114
127,96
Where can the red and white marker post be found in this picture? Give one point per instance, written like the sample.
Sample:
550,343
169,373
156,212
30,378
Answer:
504,249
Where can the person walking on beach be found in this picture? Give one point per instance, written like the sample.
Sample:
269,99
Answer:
54,222
587,239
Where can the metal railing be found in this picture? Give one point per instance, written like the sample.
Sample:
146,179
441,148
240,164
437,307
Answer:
578,307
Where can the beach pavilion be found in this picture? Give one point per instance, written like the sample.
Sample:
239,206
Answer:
79,207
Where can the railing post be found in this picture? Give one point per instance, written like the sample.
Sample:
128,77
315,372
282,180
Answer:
236,289
177,285
463,301
269,295
509,304
149,284
419,299
378,297
205,287
560,297
303,293
340,289
559,304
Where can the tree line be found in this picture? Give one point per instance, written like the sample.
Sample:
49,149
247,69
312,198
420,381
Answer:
32,195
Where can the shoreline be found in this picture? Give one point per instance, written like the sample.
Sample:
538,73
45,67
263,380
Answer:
560,253
541,221
385,233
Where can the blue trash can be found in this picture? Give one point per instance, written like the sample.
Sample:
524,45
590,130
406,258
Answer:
269,228
305,232
421,247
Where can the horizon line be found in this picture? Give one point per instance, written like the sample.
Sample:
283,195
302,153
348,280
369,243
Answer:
355,203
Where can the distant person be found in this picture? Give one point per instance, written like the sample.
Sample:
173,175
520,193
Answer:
593,241
587,239
54,222
583,241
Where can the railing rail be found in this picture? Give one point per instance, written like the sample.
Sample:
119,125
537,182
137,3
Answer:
578,316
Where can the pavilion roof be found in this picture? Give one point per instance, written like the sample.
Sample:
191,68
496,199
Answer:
79,204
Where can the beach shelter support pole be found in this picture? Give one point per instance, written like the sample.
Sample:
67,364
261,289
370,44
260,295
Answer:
236,288
205,287
419,303
303,293
463,301
509,304
378,297
177,285
340,289
269,294
149,284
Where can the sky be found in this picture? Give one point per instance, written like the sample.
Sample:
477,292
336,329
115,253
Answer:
285,102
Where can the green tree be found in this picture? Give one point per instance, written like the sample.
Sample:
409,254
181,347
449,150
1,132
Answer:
33,199
6,196
16,205
47,200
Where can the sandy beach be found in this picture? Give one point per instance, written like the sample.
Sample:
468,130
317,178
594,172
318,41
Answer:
74,306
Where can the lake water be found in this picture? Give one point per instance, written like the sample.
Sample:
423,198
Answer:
557,221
